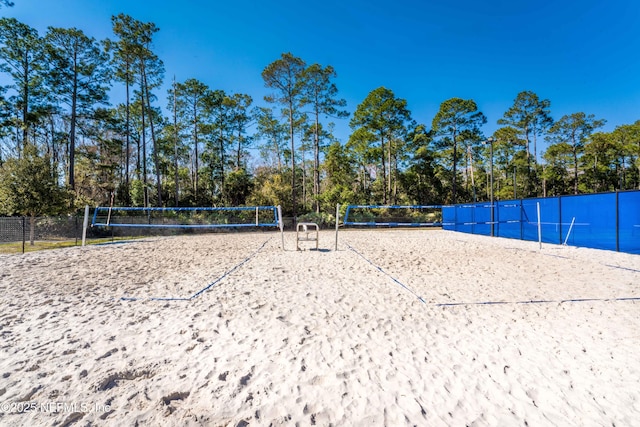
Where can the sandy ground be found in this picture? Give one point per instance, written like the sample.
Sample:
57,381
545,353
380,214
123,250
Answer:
397,327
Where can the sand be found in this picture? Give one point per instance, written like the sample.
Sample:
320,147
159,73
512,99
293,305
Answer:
397,327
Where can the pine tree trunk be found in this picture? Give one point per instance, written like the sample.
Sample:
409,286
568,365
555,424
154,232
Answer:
395,179
144,149
293,165
72,133
384,171
195,145
278,154
390,174
127,140
222,160
239,153
455,171
304,178
25,107
316,165
175,142
153,140
575,171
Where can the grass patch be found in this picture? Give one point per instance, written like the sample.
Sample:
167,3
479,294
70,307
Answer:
40,245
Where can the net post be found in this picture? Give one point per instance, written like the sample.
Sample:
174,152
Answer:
539,226
85,224
281,225
257,222
110,208
337,222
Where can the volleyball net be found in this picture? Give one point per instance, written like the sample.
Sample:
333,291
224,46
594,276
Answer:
393,216
187,217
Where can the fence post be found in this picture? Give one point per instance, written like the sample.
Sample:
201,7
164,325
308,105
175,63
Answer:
560,218
539,226
617,221
473,219
23,232
455,218
496,219
521,219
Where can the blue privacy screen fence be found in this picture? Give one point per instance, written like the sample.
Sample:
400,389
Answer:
602,221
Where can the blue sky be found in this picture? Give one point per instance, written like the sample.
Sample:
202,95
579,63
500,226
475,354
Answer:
581,55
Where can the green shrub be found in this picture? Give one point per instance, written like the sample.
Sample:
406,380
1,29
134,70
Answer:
323,220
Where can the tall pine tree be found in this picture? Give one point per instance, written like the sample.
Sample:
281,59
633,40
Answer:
286,77
78,77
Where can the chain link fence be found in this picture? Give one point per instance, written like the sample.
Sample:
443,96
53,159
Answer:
47,229
15,232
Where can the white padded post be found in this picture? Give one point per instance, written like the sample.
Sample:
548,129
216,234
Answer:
85,224
337,223
281,225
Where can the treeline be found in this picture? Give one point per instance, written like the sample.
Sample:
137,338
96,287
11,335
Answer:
62,145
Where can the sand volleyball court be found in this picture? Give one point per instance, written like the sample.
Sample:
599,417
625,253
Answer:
397,327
